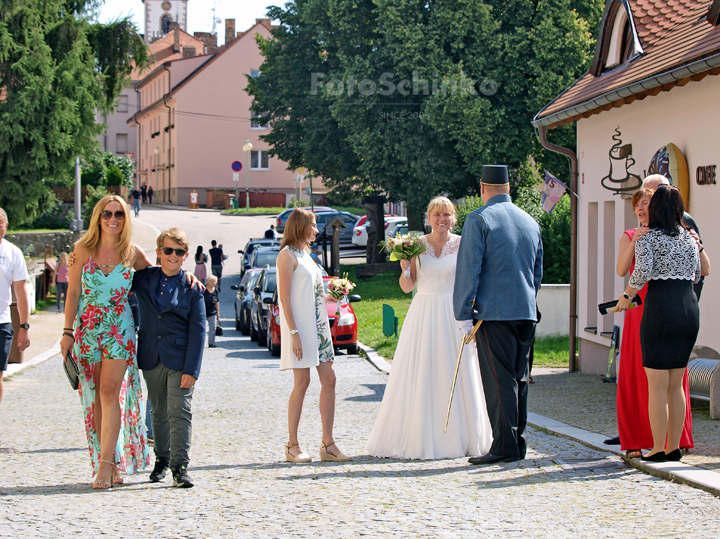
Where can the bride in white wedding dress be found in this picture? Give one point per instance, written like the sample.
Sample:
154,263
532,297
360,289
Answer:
412,414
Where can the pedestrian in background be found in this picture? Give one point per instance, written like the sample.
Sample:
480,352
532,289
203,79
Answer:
136,201
61,281
315,254
212,309
100,331
305,334
150,194
13,274
216,262
200,268
143,191
270,233
172,309
669,258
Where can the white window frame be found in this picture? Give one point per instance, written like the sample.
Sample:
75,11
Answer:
258,159
123,104
256,125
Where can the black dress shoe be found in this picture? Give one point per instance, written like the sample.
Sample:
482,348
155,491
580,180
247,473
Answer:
657,457
489,458
612,441
675,455
159,471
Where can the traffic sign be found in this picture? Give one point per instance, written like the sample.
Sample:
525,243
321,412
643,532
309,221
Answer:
236,176
237,166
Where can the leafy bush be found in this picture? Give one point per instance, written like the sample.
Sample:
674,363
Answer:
104,168
469,204
57,217
114,176
296,203
94,195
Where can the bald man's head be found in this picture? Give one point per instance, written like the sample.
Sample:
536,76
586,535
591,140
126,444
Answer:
654,181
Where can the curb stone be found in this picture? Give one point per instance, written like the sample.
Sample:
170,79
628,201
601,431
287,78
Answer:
375,359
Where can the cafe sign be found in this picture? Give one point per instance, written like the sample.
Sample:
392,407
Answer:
705,175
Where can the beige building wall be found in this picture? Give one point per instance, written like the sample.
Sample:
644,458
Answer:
686,117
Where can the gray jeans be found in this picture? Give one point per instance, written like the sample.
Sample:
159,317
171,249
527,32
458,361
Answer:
211,320
171,414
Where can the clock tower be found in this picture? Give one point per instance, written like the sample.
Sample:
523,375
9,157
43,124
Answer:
160,13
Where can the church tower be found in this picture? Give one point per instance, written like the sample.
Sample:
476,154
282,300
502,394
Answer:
160,13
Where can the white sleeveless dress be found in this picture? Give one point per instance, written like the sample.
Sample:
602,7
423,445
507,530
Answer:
412,414
310,312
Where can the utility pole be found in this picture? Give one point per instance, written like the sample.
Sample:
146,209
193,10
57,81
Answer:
76,224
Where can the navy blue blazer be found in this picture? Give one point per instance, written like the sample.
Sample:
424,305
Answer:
176,335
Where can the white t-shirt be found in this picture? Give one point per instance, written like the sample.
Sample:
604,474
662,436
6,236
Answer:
12,269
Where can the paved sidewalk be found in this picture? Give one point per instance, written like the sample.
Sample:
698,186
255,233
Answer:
244,489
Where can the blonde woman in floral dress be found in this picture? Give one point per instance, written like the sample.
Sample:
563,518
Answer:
100,331
305,333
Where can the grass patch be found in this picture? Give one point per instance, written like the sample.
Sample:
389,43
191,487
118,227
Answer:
352,209
254,211
552,351
375,291
21,230
43,304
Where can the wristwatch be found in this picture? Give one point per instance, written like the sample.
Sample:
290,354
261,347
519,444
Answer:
25,326
293,331
625,295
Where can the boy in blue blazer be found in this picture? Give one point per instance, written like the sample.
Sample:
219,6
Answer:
169,351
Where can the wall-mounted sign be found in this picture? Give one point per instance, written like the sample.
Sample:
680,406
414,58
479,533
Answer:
620,179
670,162
706,175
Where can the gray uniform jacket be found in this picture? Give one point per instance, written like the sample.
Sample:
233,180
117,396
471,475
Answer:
499,264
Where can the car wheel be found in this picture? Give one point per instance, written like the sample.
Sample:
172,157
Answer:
275,350
262,336
352,349
238,324
253,331
268,339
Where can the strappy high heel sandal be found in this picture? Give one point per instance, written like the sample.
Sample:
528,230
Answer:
326,455
301,458
102,485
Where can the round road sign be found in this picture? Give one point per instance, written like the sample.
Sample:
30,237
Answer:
237,166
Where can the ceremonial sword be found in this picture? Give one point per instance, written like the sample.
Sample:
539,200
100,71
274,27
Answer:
465,340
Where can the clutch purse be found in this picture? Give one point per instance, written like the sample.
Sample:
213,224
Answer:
71,370
604,307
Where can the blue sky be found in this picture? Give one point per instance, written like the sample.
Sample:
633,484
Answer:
199,13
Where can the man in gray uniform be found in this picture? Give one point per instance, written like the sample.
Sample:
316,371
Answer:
499,269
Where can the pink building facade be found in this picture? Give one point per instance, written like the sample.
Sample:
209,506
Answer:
195,120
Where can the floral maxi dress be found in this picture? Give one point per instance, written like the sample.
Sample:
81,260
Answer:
104,329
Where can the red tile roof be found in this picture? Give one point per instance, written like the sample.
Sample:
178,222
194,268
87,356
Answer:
673,33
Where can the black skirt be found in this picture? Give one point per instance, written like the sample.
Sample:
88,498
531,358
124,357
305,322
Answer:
670,324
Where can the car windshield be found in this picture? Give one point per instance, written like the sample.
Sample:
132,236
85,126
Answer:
265,259
252,281
270,282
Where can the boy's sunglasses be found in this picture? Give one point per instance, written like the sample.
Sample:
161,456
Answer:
169,250
106,214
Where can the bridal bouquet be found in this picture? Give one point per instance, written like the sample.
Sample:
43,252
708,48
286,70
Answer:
339,288
404,248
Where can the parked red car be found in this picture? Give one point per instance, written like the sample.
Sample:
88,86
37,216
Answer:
343,330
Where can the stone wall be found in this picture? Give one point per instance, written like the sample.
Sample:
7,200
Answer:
34,244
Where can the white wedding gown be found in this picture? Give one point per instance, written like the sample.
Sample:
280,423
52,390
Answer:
412,414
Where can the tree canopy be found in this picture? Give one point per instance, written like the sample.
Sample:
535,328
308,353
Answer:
411,98
57,69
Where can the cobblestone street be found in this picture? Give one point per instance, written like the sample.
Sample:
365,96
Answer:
244,489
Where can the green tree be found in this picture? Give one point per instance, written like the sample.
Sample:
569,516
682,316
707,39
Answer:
57,69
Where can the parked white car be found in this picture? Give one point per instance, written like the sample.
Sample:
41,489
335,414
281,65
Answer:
360,232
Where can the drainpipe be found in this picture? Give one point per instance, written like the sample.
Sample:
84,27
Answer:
137,138
169,123
573,238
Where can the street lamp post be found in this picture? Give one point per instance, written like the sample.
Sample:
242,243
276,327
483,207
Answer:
247,147
156,151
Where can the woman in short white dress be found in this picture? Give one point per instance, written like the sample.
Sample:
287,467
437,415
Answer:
305,333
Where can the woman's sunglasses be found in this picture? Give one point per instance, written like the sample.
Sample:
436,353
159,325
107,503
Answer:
106,214
169,250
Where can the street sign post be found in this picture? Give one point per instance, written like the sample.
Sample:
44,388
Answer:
236,176
237,167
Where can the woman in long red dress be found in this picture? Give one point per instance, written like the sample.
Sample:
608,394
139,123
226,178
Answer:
632,391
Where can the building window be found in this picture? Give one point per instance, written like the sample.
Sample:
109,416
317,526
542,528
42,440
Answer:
165,24
259,160
122,105
121,143
254,124
254,73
